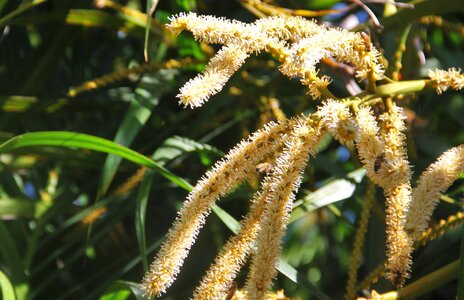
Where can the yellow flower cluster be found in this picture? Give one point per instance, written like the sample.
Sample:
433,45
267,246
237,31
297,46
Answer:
383,154
228,173
283,183
395,179
265,222
337,119
298,43
434,181
381,150
445,79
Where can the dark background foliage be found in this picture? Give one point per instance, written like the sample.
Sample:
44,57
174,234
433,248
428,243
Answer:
48,48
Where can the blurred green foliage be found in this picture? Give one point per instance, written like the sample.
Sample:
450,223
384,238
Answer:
50,249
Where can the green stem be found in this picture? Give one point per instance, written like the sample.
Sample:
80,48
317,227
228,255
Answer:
397,88
371,87
460,291
427,283
390,9
327,94
397,66
389,90
358,243
20,10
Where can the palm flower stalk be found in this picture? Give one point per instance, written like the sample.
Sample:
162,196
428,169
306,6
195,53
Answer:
226,174
433,182
233,255
284,183
300,45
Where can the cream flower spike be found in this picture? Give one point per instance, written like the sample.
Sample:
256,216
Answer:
233,255
237,166
218,71
338,120
438,177
342,45
386,164
284,184
445,79
395,177
370,146
298,43
215,30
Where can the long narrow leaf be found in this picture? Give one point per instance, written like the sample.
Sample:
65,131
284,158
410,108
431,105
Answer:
333,191
227,219
460,292
140,216
147,30
19,10
10,254
422,8
7,289
18,208
80,140
93,18
138,114
175,146
292,274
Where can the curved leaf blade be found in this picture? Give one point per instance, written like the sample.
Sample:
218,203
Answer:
10,254
7,289
331,192
85,141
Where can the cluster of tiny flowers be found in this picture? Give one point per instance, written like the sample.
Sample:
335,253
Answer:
238,166
283,184
340,44
380,143
382,152
338,120
435,180
295,139
234,254
383,155
445,79
298,43
398,195
226,62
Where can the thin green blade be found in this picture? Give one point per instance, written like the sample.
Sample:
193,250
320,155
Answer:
80,140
